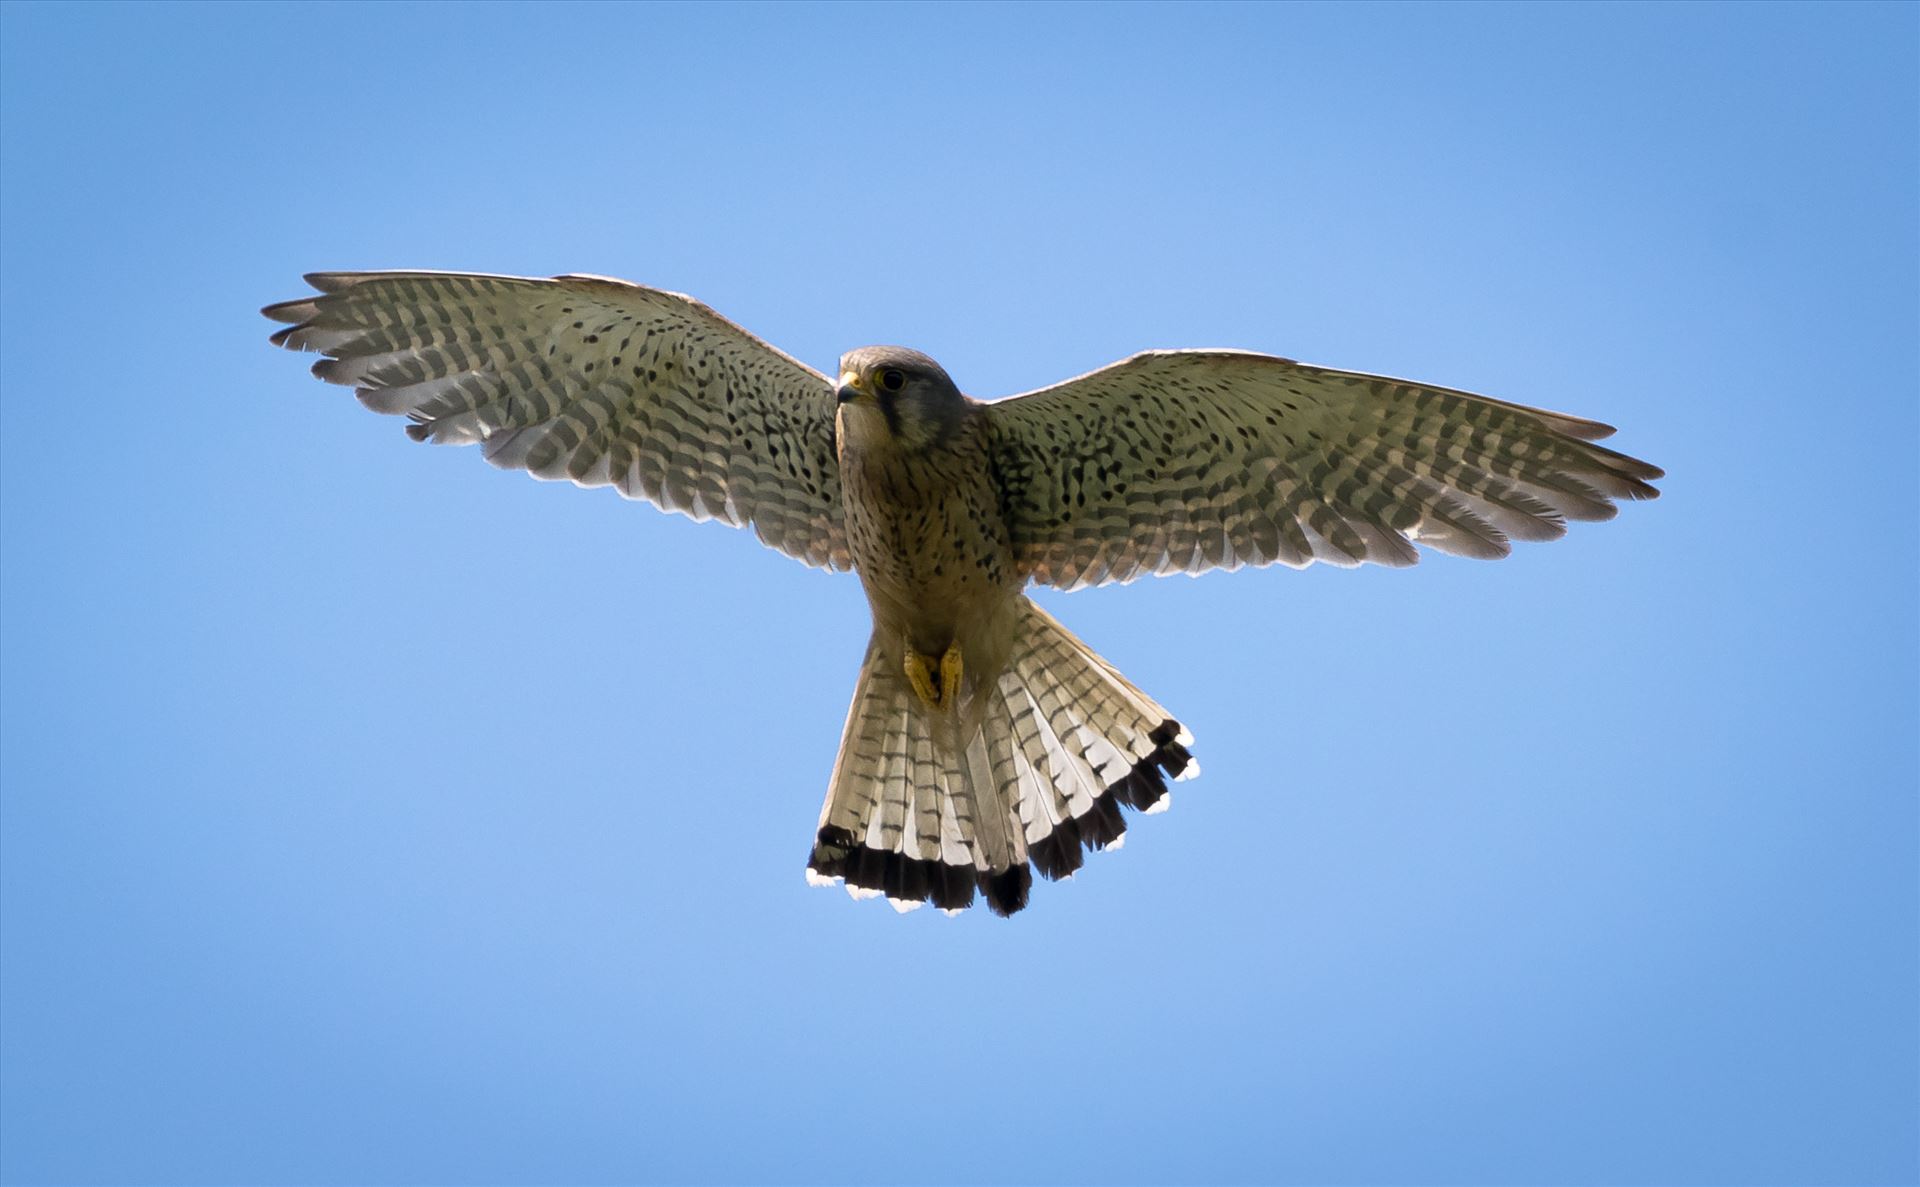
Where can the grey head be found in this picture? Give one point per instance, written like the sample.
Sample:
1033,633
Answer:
894,397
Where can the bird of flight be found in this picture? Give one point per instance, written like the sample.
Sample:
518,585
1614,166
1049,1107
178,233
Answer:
984,739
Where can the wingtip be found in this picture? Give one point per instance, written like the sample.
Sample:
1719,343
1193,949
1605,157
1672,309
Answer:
332,282
291,312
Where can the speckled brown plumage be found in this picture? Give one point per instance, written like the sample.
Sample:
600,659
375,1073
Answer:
1170,461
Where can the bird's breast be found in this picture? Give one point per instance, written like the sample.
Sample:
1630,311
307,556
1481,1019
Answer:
927,537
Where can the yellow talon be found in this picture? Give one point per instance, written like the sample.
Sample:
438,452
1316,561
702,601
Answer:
921,679
950,668
920,675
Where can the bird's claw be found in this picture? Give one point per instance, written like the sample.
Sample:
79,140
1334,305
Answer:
921,679
950,669
920,676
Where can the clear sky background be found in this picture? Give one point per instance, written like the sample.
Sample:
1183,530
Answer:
372,816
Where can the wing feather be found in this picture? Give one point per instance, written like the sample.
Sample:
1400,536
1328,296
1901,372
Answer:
1184,461
593,381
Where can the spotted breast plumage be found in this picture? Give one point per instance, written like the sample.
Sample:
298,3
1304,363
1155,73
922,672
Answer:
984,740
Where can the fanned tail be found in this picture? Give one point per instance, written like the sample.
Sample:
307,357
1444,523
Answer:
1087,742
919,814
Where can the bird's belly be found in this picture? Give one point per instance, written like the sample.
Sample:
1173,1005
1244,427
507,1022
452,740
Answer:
930,568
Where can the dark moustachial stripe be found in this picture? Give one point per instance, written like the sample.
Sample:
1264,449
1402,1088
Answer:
837,854
890,408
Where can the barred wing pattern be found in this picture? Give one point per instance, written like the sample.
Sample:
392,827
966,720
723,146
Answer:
593,380
1184,461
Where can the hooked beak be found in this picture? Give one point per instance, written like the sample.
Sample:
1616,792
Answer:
851,388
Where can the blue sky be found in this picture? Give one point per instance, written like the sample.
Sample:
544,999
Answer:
371,816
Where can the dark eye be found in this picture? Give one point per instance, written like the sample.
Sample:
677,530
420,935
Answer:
892,380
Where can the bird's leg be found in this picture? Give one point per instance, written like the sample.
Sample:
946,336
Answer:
920,675
921,679
950,668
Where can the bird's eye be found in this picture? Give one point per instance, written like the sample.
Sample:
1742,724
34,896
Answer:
892,380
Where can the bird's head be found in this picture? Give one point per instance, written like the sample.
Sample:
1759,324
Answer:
894,397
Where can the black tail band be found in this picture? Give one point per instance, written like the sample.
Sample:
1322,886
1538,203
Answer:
838,854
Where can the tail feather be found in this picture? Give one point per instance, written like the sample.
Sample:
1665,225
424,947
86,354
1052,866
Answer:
920,815
887,827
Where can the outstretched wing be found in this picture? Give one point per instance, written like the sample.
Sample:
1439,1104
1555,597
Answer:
594,380
1183,461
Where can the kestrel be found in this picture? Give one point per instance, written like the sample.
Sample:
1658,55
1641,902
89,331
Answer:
984,739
